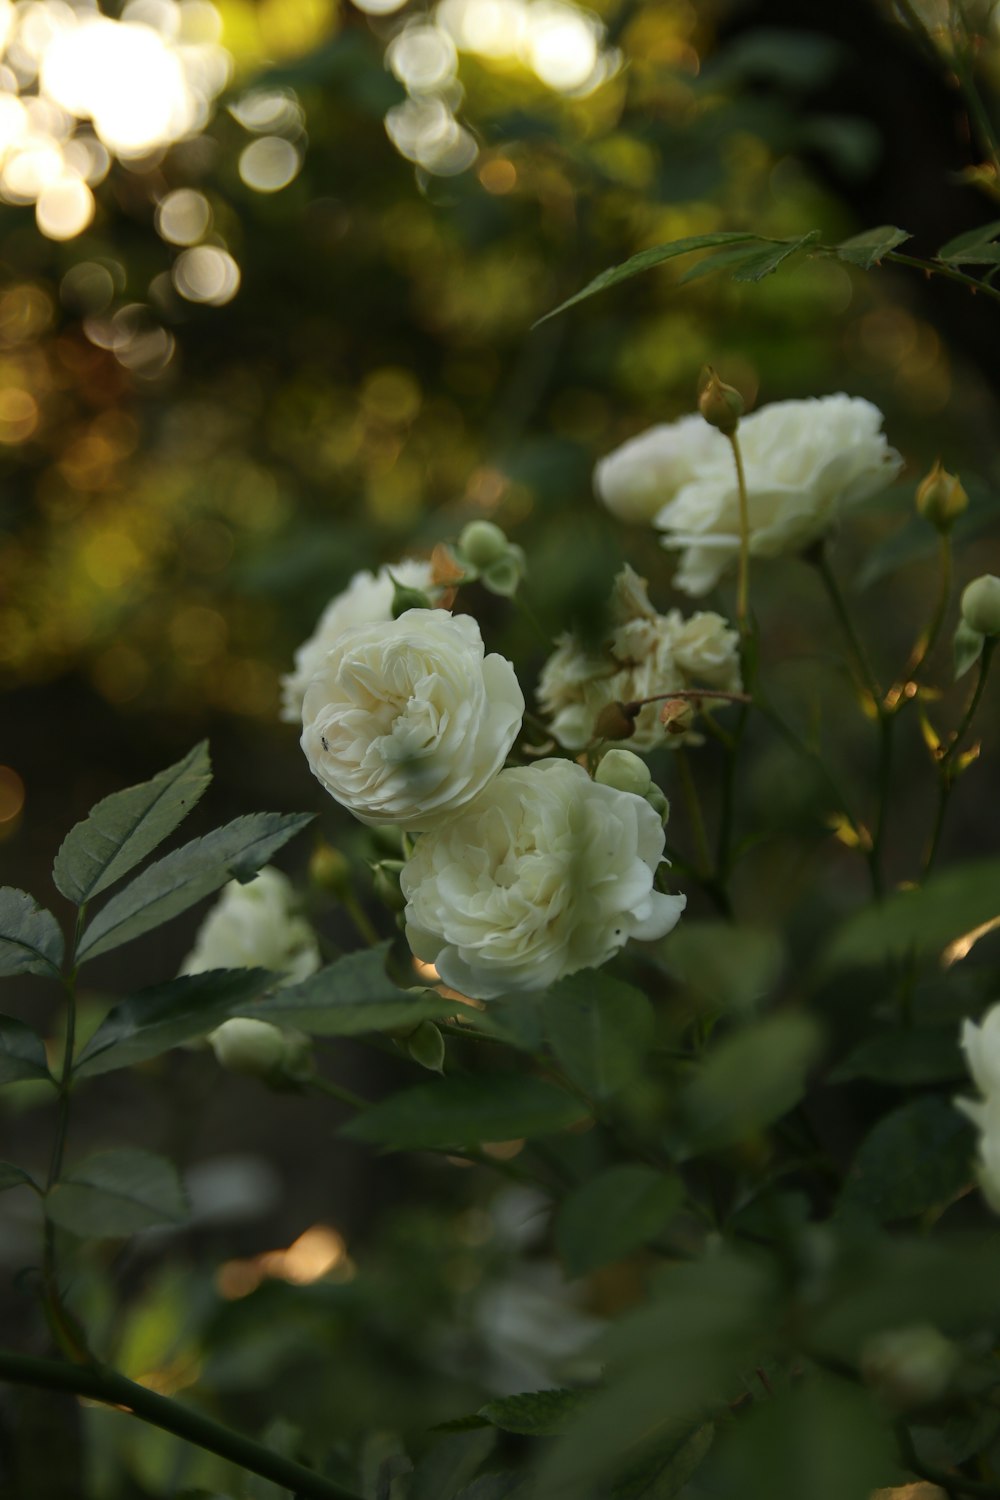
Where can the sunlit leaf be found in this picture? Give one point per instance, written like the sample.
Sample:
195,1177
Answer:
31,941
116,1193
120,831
180,879
755,268
645,261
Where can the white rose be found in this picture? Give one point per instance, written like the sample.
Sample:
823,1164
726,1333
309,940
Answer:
546,873
368,597
981,1045
804,461
256,926
259,1050
407,720
646,655
637,479
985,1115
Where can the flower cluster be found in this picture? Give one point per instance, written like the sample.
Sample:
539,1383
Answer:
981,1045
805,461
646,655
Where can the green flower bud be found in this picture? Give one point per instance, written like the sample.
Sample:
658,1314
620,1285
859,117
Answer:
385,876
941,498
504,576
259,1050
659,802
482,544
330,870
720,405
404,598
981,604
909,1366
624,771
426,1047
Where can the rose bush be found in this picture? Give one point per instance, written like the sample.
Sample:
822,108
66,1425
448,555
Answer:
256,925
548,872
407,720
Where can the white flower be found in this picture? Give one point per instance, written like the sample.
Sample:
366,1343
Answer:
546,873
981,1045
985,1116
646,655
407,720
368,597
637,479
804,461
256,926
257,1049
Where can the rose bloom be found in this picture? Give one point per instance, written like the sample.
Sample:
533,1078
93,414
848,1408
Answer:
804,462
646,655
547,872
981,1045
368,597
637,479
256,926
407,720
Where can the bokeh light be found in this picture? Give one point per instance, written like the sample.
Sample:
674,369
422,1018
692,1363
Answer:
207,274
269,164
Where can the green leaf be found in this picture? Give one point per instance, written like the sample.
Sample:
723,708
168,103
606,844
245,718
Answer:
182,878
759,266
465,1109
504,1485
904,1056
729,967
31,941
749,1080
672,1465
449,1464
599,1030
167,1014
121,830
22,1052
645,261
970,240
613,1214
722,260
116,1193
868,248
534,1413
917,1158
349,997
921,922
967,647
12,1177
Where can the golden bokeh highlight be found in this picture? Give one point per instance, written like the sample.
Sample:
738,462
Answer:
317,1253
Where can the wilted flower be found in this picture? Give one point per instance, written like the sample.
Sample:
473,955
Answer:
367,598
407,720
547,872
256,926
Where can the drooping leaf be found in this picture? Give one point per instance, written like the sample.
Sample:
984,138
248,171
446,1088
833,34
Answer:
871,245
121,830
534,1413
918,1157
351,996
919,922
599,1029
465,1109
755,268
722,260
905,1056
115,1193
645,261
180,879
619,1211
12,1177
167,1014
450,1463
22,1052
31,941
749,1080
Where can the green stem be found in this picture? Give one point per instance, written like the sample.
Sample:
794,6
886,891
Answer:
946,774
743,583
962,59
928,641
690,794
95,1383
843,614
938,268
336,1091
970,713
361,920
886,721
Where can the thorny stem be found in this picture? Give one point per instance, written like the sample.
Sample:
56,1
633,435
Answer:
96,1383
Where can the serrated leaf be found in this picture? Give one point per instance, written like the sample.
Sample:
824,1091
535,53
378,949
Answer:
757,267
917,1157
919,922
350,997
645,261
182,878
722,260
599,1030
905,1056
165,1015
22,1052
534,1413
465,1109
613,1214
121,830
12,1177
115,1193
959,250
749,1080
868,248
31,941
